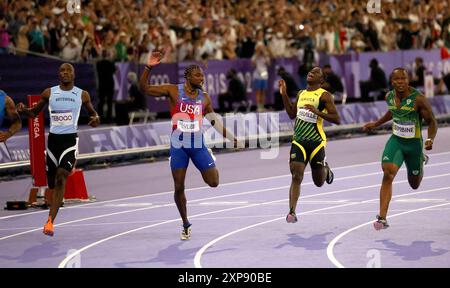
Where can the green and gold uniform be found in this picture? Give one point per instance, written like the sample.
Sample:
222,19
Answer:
405,144
309,140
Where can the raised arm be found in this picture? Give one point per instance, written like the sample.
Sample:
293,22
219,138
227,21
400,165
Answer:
87,104
372,125
332,114
36,109
165,90
291,108
426,112
12,114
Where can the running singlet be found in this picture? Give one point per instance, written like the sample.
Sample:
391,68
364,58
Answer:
64,108
307,125
407,122
2,106
187,114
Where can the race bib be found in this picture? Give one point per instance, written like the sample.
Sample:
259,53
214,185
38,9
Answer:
306,115
61,118
404,130
188,126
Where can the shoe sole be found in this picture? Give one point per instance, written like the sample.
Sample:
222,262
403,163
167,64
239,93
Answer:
186,237
378,226
291,219
331,177
49,233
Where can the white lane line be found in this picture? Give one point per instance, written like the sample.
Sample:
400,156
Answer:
372,212
142,209
223,203
207,187
186,190
225,217
63,264
192,201
422,200
229,195
201,251
332,244
77,252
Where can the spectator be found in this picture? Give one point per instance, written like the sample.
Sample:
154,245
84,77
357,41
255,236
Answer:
136,101
89,51
445,81
417,79
246,45
319,37
333,82
387,42
236,92
261,62
376,82
357,43
4,36
72,51
36,37
260,38
308,59
404,38
105,74
228,50
17,21
356,21
22,42
330,40
371,37
121,48
55,30
277,45
185,49
340,26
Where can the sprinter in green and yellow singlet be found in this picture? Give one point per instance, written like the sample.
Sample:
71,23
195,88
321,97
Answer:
406,108
311,107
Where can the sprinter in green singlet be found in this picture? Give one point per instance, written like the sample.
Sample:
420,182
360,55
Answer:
406,107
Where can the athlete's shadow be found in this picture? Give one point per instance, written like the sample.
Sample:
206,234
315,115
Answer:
44,250
415,251
172,255
315,242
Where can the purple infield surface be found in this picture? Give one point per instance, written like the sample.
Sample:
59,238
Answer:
134,222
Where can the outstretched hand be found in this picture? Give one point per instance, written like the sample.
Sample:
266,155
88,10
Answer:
4,136
95,121
428,144
20,107
369,126
282,86
155,58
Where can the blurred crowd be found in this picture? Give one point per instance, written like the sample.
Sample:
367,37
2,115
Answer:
127,30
